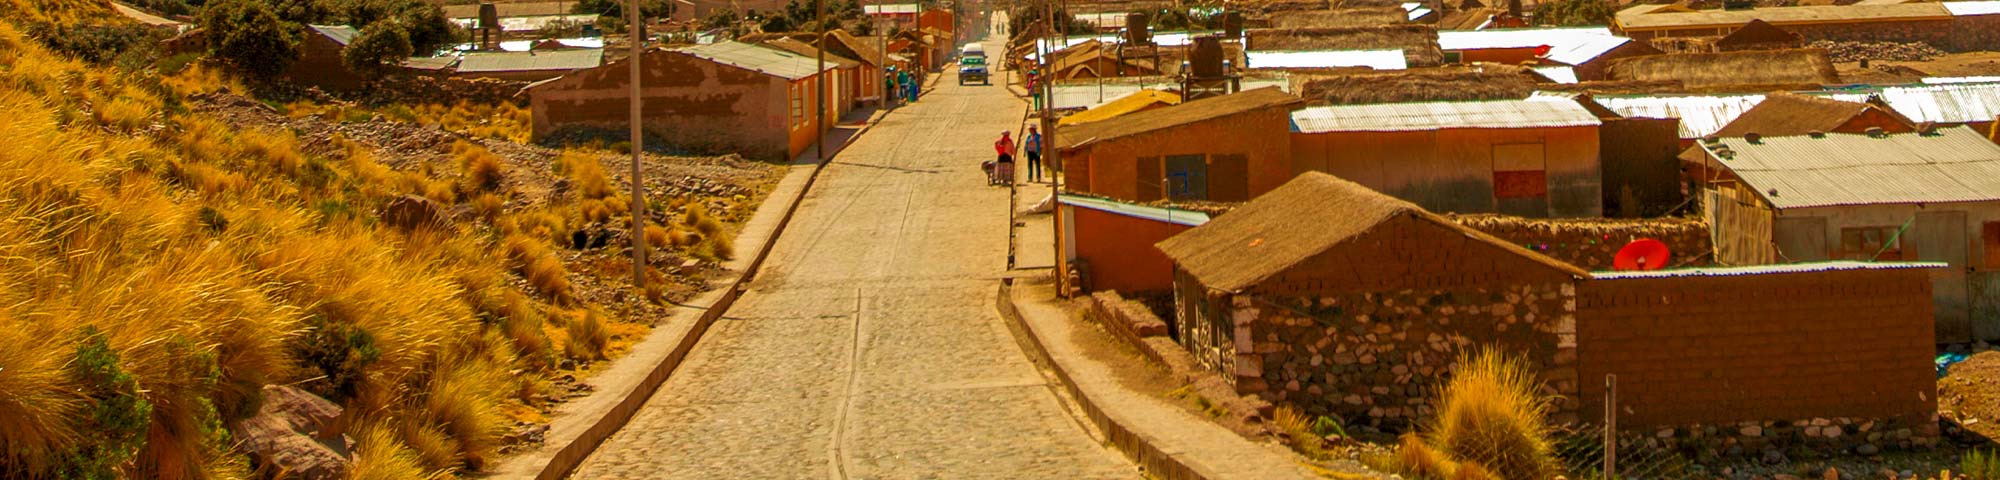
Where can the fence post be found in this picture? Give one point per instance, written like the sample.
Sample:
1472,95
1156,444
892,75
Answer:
1610,426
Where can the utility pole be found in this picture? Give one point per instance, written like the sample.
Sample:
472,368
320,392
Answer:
819,85
636,33
1049,153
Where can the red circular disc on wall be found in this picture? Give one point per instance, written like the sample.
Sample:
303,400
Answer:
1642,254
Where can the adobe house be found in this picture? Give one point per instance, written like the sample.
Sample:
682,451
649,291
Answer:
721,97
1446,83
1931,196
871,53
1112,243
1226,148
1737,71
1787,114
847,72
1530,158
1334,299
1139,101
529,66
1758,35
1419,43
1952,26
320,63
1341,17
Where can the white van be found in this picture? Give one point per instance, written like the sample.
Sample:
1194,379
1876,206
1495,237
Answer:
973,50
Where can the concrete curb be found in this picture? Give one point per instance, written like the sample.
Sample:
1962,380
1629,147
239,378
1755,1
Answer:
571,455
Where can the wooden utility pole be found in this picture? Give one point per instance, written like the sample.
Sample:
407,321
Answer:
1048,140
819,86
1610,426
636,33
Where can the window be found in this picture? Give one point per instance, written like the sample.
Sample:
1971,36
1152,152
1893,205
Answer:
798,106
1187,177
1870,244
1990,233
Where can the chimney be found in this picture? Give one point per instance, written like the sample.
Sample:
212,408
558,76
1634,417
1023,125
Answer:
1753,138
1816,134
1876,132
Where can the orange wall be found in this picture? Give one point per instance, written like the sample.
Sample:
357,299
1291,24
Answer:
1112,169
1120,250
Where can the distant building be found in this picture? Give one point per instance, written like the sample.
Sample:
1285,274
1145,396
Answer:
520,17
847,72
1587,51
1953,26
721,97
1758,35
1731,71
1931,197
1094,59
1419,43
1789,114
1530,158
529,66
320,63
1111,243
1227,148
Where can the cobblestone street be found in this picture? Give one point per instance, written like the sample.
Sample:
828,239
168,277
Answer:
869,346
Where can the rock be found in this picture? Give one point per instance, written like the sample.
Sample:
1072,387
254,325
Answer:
295,432
1773,456
1784,476
1752,431
410,212
1868,449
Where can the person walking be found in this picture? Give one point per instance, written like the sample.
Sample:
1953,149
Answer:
1003,166
1032,144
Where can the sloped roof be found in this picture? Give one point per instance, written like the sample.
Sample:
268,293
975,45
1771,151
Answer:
1419,43
1986,7
1305,217
1656,17
1128,103
1759,32
531,61
1404,117
1178,115
1782,114
1954,165
867,50
1796,67
1391,59
766,60
1700,115
1569,45
1346,17
1805,267
1946,103
809,51
341,34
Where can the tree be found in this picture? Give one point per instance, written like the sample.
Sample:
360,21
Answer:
1574,12
429,30
250,36
719,18
616,8
380,45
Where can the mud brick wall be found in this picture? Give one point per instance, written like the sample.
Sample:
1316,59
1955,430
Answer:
1975,33
1938,33
1717,350
1375,358
1592,243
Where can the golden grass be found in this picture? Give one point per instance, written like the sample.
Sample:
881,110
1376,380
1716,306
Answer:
1490,416
483,170
587,336
586,173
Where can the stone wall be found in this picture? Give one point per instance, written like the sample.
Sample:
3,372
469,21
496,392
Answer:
1938,33
1592,243
1129,320
423,89
1767,348
1975,33
1374,358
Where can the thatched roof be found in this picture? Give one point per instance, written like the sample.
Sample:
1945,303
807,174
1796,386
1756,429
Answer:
1788,114
1758,35
1619,87
1419,43
802,48
1483,82
1312,214
868,50
1763,69
1398,4
1346,17
1257,7
1183,114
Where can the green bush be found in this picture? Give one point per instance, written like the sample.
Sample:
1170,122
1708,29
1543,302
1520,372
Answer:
340,352
380,47
98,43
117,414
250,36
1980,465
1574,12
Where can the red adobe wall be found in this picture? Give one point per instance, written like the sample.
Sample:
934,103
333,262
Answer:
1774,346
1120,251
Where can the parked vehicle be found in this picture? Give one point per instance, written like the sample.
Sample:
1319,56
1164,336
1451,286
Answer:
972,69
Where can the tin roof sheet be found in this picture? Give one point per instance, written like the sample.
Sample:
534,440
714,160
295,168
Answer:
1640,18
1403,117
531,61
1945,103
1973,8
1377,59
1700,114
1955,165
1570,45
770,61
341,34
1124,104
1158,214
1558,74
1809,267
1978,79
890,9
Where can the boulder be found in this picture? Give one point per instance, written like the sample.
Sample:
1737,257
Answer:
410,212
294,435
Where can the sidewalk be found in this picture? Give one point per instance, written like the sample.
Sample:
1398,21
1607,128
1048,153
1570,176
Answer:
1166,439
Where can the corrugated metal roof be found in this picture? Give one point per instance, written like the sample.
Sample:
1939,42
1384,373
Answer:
1809,267
1938,80
1088,93
531,61
1558,74
1700,114
890,9
769,61
1403,117
1946,103
1973,8
1124,104
1570,45
1376,59
341,34
1158,214
1639,18
1956,165
530,23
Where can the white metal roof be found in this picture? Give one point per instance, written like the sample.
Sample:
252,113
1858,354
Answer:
564,60
1376,59
770,61
341,34
1764,269
1570,45
1955,165
1946,103
1560,74
1973,8
1158,214
1700,114
1981,79
1404,117
890,9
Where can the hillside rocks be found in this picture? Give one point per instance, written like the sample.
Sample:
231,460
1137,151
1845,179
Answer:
295,433
1878,51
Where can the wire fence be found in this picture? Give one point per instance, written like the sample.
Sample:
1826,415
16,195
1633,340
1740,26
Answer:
1582,450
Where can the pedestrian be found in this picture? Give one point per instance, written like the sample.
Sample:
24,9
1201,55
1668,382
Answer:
1032,144
1005,148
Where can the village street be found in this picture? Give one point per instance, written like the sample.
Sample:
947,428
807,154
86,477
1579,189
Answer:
869,347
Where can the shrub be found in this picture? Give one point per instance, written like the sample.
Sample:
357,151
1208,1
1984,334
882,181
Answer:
382,45
587,337
379,455
1489,415
483,169
35,393
463,406
540,267
98,43
250,36
1419,460
117,415
586,171
1980,465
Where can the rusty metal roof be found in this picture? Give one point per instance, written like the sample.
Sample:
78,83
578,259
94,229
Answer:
1955,165
1404,117
766,60
531,60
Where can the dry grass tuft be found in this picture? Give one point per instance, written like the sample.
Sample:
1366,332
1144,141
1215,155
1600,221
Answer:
533,259
586,172
380,455
1490,415
587,337
1418,460
484,171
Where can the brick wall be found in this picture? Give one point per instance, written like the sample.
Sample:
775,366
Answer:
1775,346
1975,33
1592,243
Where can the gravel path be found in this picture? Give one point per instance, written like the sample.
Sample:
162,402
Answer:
869,346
